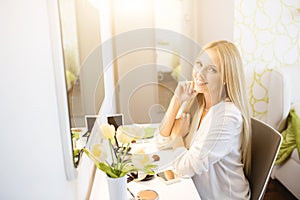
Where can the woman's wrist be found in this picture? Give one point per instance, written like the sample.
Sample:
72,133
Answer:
164,134
170,116
176,101
177,141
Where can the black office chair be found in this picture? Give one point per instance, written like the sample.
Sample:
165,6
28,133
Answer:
266,143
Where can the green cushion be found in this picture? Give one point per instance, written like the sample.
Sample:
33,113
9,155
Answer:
291,138
296,126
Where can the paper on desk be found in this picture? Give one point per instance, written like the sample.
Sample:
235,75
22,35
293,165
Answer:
166,156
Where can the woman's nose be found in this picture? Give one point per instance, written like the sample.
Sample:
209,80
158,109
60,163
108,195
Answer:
198,74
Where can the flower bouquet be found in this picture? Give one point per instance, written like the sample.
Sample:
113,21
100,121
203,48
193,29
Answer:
121,162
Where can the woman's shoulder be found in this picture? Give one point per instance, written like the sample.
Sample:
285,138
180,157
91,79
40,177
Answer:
229,110
227,106
230,106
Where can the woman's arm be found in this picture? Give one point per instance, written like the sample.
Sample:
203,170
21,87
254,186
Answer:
169,118
183,92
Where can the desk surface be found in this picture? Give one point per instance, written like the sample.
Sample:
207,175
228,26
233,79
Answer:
183,189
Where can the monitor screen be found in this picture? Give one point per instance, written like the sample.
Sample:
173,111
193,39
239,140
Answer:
116,120
90,121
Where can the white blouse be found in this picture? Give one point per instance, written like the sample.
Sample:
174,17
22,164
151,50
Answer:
213,154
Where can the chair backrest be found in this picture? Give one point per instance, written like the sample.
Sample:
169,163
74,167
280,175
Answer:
268,98
266,142
272,93
291,75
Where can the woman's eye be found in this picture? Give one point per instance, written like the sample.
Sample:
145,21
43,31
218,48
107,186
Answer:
198,64
211,69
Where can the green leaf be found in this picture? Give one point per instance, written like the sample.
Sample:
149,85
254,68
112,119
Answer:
149,171
129,168
76,152
150,166
122,174
107,169
75,135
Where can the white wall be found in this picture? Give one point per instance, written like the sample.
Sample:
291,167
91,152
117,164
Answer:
216,20
31,152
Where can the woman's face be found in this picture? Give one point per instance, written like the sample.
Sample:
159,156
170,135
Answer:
207,76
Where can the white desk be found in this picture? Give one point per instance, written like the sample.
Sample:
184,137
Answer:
184,189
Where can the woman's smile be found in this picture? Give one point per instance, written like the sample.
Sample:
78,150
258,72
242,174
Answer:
200,82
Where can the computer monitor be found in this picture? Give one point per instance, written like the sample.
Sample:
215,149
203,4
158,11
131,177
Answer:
116,120
90,121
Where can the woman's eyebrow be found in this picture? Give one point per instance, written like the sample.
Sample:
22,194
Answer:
212,65
198,62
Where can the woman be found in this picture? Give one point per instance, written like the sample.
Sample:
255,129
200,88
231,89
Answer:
214,127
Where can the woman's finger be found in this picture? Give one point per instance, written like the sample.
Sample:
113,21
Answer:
190,87
188,117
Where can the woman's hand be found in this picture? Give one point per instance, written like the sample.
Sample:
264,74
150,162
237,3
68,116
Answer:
181,126
184,91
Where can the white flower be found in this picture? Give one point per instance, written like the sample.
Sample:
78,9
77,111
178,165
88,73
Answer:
122,136
140,159
99,152
108,131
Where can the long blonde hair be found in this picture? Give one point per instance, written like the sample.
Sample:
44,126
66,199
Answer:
233,75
